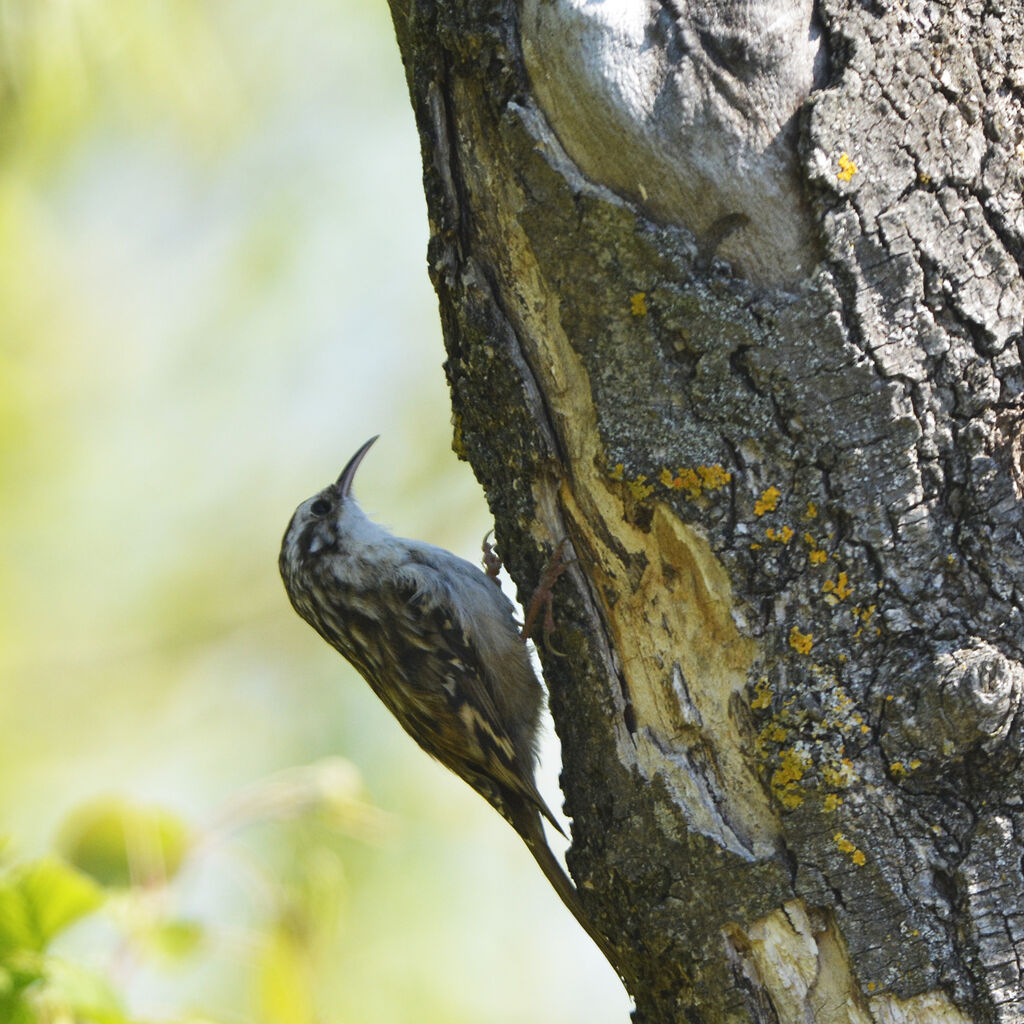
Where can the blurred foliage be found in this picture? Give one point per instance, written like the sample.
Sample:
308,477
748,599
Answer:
212,242
38,901
122,860
120,845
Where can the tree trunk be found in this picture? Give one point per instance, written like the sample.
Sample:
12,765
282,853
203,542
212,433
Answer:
733,301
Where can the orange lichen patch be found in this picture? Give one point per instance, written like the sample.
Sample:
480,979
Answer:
817,557
800,642
639,488
638,303
783,536
755,546
686,480
839,773
785,779
690,482
696,481
763,693
767,502
838,589
847,168
845,846
713,478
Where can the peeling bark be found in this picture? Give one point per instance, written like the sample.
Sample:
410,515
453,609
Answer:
733,300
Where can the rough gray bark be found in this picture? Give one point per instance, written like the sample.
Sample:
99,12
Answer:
733,300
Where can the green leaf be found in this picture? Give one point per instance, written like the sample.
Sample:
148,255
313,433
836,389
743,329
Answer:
40,899
120,844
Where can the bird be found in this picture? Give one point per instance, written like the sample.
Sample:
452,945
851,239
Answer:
438,642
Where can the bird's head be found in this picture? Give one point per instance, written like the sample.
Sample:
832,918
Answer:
322,523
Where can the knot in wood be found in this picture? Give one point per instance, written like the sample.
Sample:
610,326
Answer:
958,711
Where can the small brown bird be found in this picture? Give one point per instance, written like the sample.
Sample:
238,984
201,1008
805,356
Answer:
437,641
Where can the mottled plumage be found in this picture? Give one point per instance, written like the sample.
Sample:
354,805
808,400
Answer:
437,641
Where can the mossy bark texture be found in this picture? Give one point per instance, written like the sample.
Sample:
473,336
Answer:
732,297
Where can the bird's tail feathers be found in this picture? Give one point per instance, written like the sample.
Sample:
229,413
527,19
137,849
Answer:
531,830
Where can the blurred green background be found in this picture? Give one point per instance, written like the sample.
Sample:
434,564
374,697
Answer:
212,290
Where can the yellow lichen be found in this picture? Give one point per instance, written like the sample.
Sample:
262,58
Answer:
818,557
838,589
762,693
696,481
639,488
812,511
845,846
897,768
714,478
617,471
800,642
638,304
847,168
689,481
767,502
783,536
839,773
792,765
832,802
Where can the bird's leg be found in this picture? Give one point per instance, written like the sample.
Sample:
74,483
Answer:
543,596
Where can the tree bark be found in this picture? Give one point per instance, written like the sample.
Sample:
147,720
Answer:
732,298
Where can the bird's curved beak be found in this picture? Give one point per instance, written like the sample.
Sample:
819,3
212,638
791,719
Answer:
344,483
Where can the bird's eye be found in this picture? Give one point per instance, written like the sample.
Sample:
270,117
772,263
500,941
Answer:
320,507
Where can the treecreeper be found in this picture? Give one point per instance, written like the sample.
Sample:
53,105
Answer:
437,641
